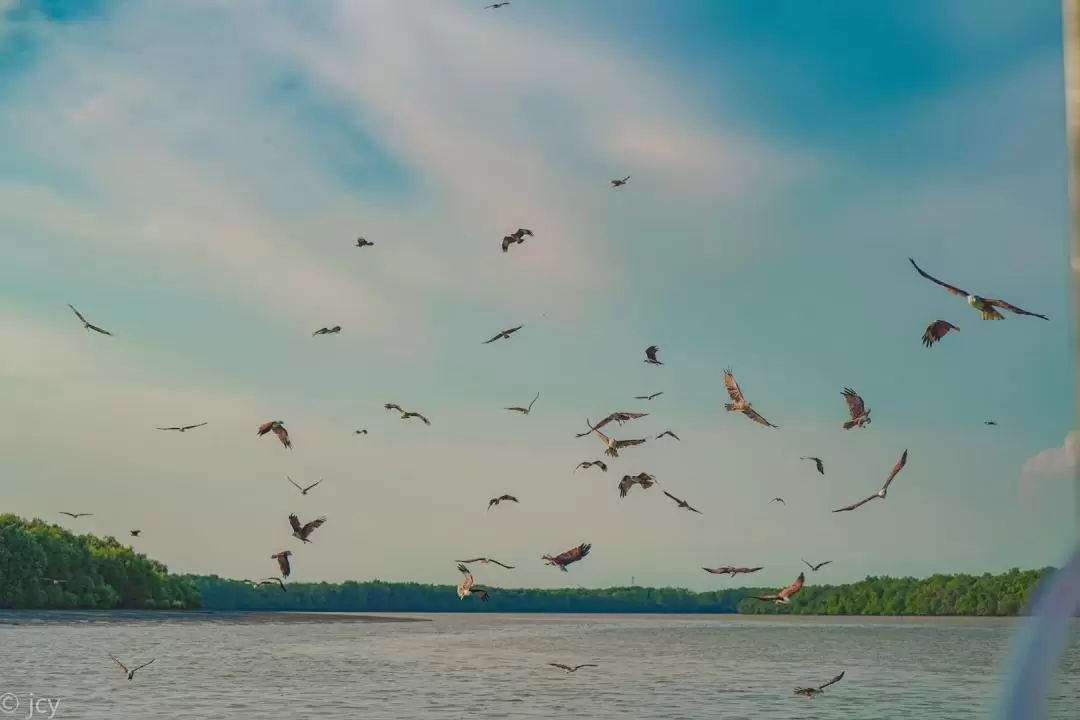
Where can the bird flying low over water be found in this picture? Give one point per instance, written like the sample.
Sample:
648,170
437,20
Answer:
682,503
616,417
569,557
860,414
987,307
303,490
525,410
327,331
812,691
783,596
645,480
817,567
649,397
129,673
486,561
467,587
619,183
182,428
732,571
362,242
937,330
496,500
738,401
650,355
283,562
503,335
667,433
86,324
817,462
75,516
301,532
406,414
278,428
571,669
588,464
516,237
884,488
779,500
614,446
267,581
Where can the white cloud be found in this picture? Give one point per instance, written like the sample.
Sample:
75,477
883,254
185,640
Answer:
1056,462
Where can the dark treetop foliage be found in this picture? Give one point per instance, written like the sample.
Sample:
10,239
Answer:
97,573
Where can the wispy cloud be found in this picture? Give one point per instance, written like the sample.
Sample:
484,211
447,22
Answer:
1059,462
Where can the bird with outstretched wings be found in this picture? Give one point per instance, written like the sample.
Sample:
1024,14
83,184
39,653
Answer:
884,488
87,324
571,556
937,330
593,463
860,414
738,401
783,596
619,417
682,503
815,568
987,307
302,532
817,463
183,428
503,335
278,428
283,562
486,560
502,498
525,410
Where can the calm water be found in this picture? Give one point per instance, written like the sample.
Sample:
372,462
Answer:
472,666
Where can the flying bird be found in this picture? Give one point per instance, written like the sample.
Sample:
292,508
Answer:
327,331
650,355
406,414
75,516
614,446
667,433
616,417
278,428
497,5
732,571
486,560
620,183
682,503
86,324
588,464
267,581
817,567
884,488
301,532
135,533
986,306
649,397
779,500
783,596
518,237
283,562
860,414
361,432
182,428
569,557
570,669
525,410
362,242
504,335
817,462
645,480
738,401
303,490
467,588
501,498
130,673
937,330
812,691
989,422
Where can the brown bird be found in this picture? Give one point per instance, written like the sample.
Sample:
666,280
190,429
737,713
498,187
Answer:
283,562
613,445
135,533
682,503
130,673
650,355
884,488
303,490
518,237
732,570
301,532
779,500
812,691
467,587
504,335
668,433
182,428
75,516
817,462
569,557
645,480
817,567
620,183
361,242
86,324
783,596
616,417
571,669
738,401
406,414
860,414
278,428
525,410
587,464
486,561
987,307
937,330
649,397
496,500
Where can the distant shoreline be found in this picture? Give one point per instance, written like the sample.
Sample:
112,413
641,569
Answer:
26,616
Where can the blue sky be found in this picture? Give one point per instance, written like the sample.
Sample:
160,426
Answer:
192,175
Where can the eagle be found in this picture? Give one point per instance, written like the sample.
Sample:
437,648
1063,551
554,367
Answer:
614,446
884,488
301,532
860,414
406,414
303,490
278,428
815,568
937,330
618,417
817,463
486,560
738,401
496,500
86,324
619,183
783,596
812,691
503,335
645,480
987,307
283,562
732,571
182,428
588,464
682,503
516,237
327,331
467,588
525,410
569,557
650,355
129,673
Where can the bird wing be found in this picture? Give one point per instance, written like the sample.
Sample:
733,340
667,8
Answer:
423,419
493,339
508,567
951,288
492,501
896,469
393,406
578,667
117,661
283,564
282,435
169,428
757,417
192,427
64,512
751,570
573,554
620,444
511,498
1012,308
507,239
265,427
856,406
143,665
596,431
794,587
518,409
937,330
103,331
459,562
567,668
835,680
717,571
78,315
820,465
625,484
298,488
294,521
597,426
533,402
601,464
808,565
320,331
313,484
733,390
675,499
856,505
822,564
691,508
311,526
